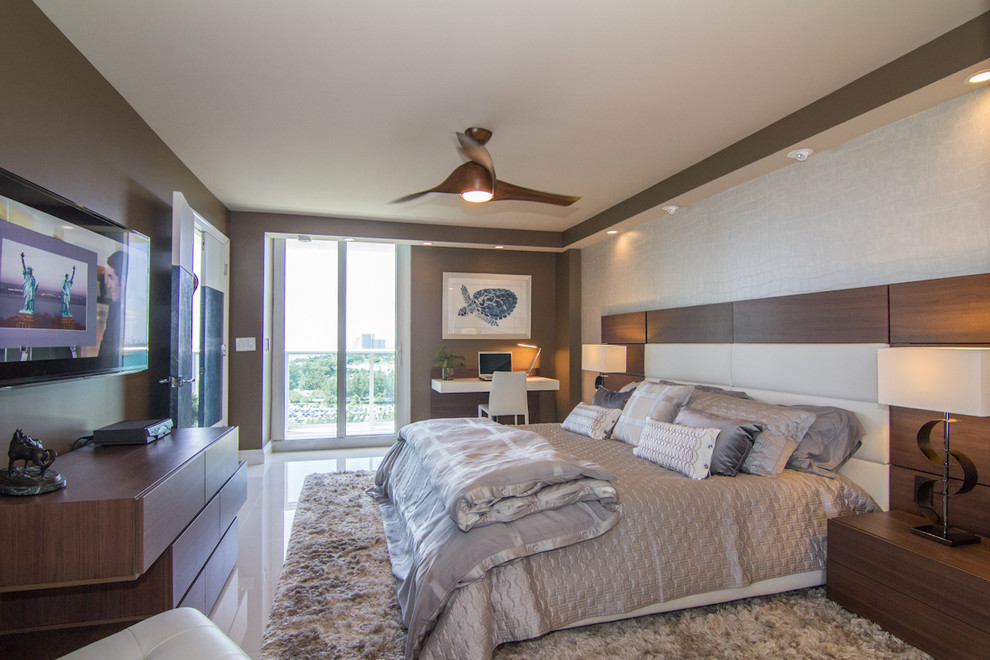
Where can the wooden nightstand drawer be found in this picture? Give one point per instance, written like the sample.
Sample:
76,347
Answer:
932,596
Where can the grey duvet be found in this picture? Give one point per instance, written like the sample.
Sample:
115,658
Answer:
461,496
676,537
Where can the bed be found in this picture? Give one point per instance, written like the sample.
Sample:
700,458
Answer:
678,542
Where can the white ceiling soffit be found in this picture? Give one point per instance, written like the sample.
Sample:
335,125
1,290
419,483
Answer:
336,108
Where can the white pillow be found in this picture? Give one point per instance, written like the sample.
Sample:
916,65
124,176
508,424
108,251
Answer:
684,449
661,402
593,421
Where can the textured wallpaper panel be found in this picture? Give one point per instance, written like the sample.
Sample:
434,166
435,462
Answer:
909,201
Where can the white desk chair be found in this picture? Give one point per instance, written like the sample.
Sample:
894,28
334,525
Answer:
508,396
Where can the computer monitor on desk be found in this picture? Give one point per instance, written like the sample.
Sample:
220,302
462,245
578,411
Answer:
491,361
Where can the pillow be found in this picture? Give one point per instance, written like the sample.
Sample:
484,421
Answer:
711,388
679,448
593,421
607,398
660,402
831,440
629,387
734,442
783,428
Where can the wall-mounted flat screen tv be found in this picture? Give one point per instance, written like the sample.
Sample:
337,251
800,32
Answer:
73,289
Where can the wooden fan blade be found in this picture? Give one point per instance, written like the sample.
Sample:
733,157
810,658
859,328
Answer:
409,198
467,176
477,152
507,191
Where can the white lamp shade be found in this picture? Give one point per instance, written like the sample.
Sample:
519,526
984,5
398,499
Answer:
603,358
949,380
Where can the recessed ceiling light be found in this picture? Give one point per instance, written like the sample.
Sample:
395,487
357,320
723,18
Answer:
979,77
671,209
612,231
800,155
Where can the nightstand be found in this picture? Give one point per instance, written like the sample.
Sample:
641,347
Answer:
932,596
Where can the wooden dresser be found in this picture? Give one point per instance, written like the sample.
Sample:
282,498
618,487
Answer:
138,529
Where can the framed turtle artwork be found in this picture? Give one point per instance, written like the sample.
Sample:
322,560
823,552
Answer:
486,305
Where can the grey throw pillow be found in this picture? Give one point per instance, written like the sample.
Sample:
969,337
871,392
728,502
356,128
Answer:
783,428
607,398
835,435
712,388
733,444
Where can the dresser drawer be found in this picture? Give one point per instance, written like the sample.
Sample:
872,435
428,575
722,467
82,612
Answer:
193,547
207,586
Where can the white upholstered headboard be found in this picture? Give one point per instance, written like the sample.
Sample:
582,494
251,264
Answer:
841,375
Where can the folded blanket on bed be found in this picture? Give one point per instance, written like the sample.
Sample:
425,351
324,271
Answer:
486,472
515,493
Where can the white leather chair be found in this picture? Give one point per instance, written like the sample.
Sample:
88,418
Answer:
179,634
508,397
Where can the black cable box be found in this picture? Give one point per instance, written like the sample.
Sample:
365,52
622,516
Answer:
139,432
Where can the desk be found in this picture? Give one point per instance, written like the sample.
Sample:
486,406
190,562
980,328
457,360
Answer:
461,385
459,397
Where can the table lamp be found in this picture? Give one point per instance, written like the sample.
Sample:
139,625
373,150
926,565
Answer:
952,380
536,356
603,358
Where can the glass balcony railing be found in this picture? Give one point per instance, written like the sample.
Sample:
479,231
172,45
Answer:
369,405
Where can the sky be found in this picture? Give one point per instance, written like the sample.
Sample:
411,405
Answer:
311,294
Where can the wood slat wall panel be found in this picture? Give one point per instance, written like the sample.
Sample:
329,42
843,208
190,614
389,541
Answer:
968,435
636,360
951,310
702,324
624,328
829,317
968,511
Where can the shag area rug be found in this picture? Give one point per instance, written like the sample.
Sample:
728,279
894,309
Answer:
336,599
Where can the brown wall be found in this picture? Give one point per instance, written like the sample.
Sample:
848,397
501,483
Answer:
63,127
251,296
428,266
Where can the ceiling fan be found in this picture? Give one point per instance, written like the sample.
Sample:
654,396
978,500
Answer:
475,180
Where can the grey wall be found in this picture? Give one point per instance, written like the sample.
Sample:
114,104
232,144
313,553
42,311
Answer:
64,128
909,201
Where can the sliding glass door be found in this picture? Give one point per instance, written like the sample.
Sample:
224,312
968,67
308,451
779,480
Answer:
336,350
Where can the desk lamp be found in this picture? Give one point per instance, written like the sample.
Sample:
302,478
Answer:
536,357
603,358
953,380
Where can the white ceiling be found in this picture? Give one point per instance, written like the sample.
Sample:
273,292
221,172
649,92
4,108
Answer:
336,107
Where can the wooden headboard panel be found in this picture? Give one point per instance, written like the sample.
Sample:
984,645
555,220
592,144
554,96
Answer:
954,310
937,312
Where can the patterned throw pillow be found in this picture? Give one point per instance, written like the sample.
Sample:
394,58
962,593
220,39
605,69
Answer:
683,449
661,402
783,428
593,421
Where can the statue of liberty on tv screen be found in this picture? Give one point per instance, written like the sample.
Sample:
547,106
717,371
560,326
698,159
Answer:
73,296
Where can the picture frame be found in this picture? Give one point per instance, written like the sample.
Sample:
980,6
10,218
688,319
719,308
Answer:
486,305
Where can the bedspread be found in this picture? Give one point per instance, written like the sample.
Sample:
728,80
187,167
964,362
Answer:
677,537
447,476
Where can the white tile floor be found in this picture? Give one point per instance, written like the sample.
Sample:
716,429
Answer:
263,534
